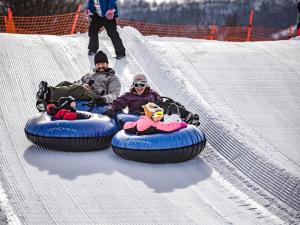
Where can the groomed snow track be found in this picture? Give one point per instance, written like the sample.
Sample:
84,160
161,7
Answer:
283,184
230,183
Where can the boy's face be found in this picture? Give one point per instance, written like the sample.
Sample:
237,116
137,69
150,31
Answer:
101,66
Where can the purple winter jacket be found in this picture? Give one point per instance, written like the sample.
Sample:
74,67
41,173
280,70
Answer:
133,101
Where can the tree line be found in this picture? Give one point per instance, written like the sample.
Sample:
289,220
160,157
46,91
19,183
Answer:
268,13
39,7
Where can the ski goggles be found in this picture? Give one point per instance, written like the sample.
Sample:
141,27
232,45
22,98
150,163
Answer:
158,115
139,84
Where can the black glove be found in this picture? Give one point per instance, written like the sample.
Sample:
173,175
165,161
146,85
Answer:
100,101
109,113
91,82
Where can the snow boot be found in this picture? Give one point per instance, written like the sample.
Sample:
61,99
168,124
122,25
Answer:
92,52
43,92
41,105
196,121
172,114
120,56
192,119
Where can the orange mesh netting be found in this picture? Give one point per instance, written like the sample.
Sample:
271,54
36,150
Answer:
2,24
77,22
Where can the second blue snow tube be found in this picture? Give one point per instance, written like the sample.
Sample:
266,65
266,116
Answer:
71,135
173,147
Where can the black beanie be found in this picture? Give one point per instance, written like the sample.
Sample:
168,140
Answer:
100,57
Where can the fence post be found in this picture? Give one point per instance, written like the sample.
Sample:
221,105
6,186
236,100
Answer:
9,13
76,19
250,25
212,32
10,24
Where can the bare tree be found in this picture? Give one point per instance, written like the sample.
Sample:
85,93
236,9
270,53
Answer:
41,7
232,20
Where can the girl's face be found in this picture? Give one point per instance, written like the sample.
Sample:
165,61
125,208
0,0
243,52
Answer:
139,87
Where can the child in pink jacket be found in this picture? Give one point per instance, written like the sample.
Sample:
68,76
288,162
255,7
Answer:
151,123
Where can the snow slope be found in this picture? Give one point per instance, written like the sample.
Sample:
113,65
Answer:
225,185
262,89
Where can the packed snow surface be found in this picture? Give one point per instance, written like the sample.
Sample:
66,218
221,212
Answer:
248,99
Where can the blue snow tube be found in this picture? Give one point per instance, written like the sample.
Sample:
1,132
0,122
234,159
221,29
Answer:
173,147
71,135
122,118
81,105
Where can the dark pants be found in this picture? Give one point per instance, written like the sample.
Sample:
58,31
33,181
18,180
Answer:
65,89
111,29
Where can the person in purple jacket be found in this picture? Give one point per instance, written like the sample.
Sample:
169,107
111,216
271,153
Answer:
140,94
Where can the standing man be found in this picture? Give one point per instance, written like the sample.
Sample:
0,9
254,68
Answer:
298,20
104,13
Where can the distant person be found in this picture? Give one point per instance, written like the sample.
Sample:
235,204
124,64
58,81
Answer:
3,9
103,13
298,19
101,87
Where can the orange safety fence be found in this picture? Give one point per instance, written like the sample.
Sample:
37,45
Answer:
76,22
2,24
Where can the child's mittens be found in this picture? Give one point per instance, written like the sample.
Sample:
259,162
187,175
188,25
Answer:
70,116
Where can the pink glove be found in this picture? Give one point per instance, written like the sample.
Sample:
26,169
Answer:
183,125
110,14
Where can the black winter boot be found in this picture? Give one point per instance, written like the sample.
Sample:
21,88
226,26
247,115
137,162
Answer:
43,92
196,121
41,105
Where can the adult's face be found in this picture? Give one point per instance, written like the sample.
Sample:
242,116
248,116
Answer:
101,66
